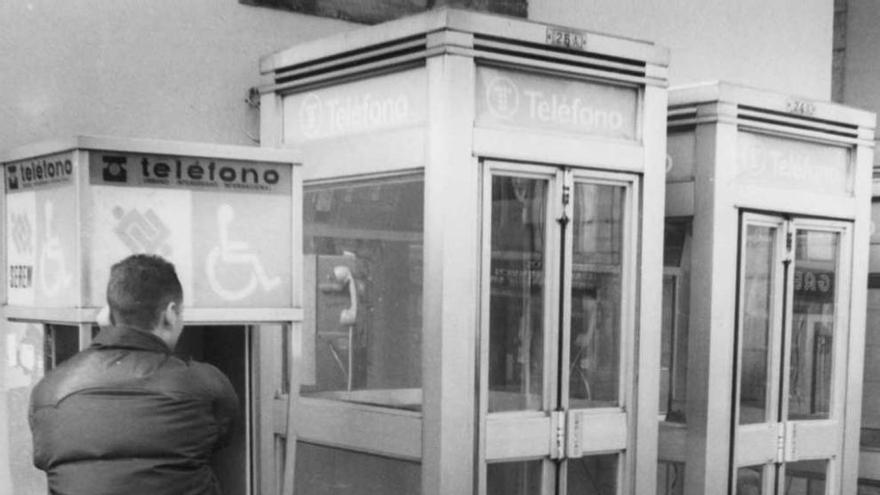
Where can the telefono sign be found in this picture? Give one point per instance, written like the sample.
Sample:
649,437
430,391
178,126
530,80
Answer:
771,161
521,99
376,104
125,169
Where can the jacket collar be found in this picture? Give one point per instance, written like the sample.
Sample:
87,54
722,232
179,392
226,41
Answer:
129,338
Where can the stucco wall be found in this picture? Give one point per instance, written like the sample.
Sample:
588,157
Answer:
159,69
783,45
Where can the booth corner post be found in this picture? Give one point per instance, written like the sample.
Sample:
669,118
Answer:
517,281
768,199
225,216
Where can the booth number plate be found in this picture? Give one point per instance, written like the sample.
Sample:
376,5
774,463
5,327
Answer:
566,39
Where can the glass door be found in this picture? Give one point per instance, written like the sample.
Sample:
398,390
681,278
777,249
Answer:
557,338
791,344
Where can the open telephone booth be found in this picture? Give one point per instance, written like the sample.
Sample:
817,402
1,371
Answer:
226,216
767,228
482,263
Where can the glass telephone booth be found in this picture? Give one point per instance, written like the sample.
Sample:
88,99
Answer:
482,232
227,217
768,204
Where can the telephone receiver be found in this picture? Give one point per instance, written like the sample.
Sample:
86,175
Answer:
339,279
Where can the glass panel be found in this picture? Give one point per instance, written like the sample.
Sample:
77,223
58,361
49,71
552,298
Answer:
21,367
516,301
514,478
805,477
597,259
674,336
363,291
812,326
670,478
593,475
750,480
757,300
868,487
330,471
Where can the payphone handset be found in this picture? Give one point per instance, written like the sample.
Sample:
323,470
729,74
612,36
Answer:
342,275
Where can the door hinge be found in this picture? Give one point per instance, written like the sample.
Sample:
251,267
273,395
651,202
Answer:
780,442
789,247
558,431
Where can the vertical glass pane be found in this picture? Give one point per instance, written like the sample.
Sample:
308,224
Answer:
363,291
593,475
514,478
805,477
757,300
516,300
670,478
674,331
22,366
330,471
871,382
750,480
812,325
597,266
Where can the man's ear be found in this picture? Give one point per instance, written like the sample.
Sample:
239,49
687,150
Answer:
172,315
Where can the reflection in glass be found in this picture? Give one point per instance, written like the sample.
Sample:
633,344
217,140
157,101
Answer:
516,302
812,326
593,475
597,264
805,477
514,478
363,291
324,470
670,478
23,346
750,480
756,299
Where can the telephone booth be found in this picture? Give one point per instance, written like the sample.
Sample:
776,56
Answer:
482,264
228,218
764,291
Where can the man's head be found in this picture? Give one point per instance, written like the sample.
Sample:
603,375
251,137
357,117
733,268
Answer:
145,293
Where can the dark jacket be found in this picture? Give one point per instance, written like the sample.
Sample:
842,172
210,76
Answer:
127,417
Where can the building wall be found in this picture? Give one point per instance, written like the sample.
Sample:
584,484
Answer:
784,45
861,60
157,69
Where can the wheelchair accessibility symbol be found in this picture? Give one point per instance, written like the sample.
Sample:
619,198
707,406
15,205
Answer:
52,255
238,254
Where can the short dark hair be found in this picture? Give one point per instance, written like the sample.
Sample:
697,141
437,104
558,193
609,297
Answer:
140,288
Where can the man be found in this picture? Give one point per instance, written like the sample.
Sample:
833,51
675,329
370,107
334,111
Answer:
125,416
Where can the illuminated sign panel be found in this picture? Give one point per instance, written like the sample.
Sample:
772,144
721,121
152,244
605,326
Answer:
507,98
225,224
375,104
41,240
790,164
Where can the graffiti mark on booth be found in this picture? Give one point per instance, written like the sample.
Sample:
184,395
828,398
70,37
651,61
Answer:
233,269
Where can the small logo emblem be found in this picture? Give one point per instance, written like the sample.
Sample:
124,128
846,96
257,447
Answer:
142,232
114,169
310,115
11,177
21,232
502,96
